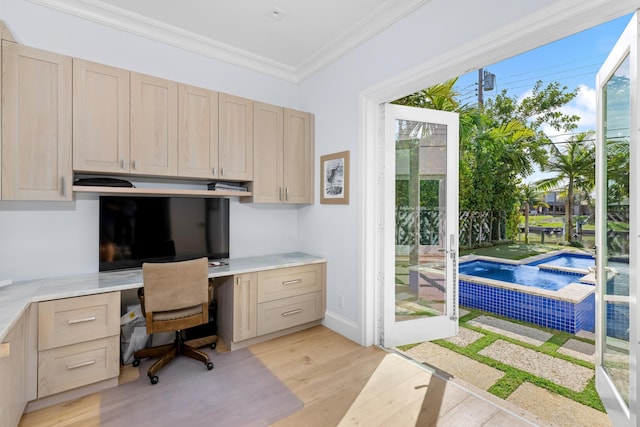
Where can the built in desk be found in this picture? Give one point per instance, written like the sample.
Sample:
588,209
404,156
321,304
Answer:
258,298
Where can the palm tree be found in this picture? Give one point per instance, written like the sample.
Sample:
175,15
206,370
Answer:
575,171
530,197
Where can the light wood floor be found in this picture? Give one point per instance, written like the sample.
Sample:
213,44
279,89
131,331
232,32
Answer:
340,384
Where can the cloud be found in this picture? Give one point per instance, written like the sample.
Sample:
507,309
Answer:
583,105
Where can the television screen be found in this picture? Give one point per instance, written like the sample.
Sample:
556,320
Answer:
160,229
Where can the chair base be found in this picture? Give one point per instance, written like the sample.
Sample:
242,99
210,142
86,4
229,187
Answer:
168,352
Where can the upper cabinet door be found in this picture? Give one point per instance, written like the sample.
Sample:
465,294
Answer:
36,124
154,122
197,132
298,157
267,186
236,138
100,118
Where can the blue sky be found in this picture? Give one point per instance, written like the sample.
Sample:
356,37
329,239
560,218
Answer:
573,62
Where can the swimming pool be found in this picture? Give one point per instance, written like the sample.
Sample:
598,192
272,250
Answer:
525,275
532,290
579,261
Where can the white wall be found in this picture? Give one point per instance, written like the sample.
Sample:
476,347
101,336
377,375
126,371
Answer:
53,239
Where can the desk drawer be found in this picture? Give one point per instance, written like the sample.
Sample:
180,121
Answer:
287,282
73,320
72,366
281,314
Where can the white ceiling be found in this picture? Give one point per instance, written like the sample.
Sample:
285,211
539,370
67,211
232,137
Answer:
290,39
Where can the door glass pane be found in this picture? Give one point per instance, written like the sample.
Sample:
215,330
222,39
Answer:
421,161
617,115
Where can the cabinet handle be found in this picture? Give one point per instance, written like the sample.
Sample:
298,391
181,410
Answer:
135,164
83,320
5,349
214,172
289,313
221,171
81,364
280,193
286,194
291,282
63,189
123,164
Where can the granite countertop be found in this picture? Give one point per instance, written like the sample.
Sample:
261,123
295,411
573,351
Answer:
15,298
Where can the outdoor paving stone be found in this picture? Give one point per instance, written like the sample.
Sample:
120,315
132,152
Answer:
462,367
586,334
465,337
516,331
559,371
556,409
579,349
462,312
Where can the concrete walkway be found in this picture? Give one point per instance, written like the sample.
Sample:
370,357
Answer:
554,408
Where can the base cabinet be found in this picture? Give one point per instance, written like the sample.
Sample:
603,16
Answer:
78,342
253,307
15,372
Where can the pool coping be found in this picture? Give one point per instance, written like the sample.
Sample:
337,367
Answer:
574,292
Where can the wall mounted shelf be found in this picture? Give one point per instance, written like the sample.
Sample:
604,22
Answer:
128,191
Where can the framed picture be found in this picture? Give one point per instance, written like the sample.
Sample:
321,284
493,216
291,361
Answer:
334,178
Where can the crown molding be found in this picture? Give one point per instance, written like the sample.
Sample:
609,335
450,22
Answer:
381,18
134,23
121,19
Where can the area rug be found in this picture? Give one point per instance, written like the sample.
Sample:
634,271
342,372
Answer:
239,391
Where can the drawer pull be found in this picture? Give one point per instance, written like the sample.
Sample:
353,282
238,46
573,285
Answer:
83,320
291,282
81,364
289,313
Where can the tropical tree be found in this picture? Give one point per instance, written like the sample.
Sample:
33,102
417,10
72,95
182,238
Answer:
574,169
530,197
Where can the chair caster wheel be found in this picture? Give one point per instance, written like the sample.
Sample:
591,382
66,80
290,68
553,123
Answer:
154,379
213,345
209,366
136,363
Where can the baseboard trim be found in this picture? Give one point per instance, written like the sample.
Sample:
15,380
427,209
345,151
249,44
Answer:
344,326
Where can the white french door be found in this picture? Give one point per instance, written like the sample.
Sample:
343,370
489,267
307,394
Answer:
421,217
617,216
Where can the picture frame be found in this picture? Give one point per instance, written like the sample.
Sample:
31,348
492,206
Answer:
334,178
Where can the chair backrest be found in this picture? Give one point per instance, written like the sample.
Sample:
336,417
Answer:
175,285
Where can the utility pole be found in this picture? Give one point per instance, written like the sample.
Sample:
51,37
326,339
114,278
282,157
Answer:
480,84
486,81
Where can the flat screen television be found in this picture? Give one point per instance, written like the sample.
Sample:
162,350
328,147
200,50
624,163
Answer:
134,230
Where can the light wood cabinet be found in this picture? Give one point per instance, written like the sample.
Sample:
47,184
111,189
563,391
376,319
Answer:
283,146
244,308
100,118
254,307
299,130
154,122
15,370
78,342
197,132
235,138
268,146
236,298
36,124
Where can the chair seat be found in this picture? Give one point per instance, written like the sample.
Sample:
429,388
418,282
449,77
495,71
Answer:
177,314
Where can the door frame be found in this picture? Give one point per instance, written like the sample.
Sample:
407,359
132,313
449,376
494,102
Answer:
490,48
